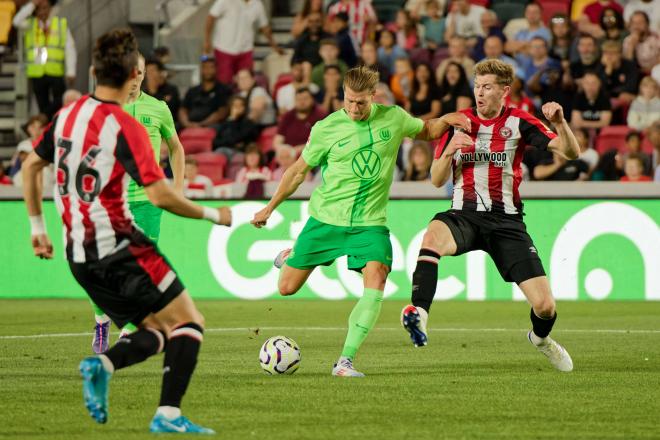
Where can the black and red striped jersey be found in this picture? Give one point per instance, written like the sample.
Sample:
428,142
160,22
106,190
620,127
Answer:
95,146
487,175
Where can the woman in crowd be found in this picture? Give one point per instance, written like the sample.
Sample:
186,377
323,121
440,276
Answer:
419,163
424,98
300,20
454,89
261,109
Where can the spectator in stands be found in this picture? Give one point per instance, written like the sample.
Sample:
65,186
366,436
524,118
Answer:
362,18
301,22
401,82
205,105
229,35
537,58
455,89
543,165
237,131
643,44
329,52
383,94
491,29
650,7
561,44
419,163
587,154
369,58
613,26
595,10
285,156
645,108
634,146
464,20
494,49
33,128
307,46
405,30
433,24
50,53
591,107
619,76
610,166
155,84
344,40
195,185
588,58
535,28
296,125
70,96
653,135
420,8
253,168
458,53
517,98
548,85
331,96
389,51
634,169
286,95
162,54
261,109
424,99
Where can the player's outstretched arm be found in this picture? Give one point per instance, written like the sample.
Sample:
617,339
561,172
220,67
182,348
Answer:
441,167
177,161
565,143
31,169
161,195
290,182
435,128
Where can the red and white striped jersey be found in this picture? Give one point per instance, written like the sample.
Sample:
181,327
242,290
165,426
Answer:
487,175
360,13
95,147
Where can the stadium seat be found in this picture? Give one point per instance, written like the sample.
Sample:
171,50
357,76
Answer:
483,3
507,11
553,7
212,166
282,80
266,137
610,137
647,146
197,140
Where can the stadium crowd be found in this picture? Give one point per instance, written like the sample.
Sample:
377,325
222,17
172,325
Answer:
599,59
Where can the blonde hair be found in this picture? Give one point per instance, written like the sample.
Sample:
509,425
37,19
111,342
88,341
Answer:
648,80
361,79
502,71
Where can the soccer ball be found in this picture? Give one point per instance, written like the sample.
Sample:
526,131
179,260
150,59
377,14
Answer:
279,355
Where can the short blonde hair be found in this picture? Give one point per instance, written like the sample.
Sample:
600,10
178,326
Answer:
502,71
361,79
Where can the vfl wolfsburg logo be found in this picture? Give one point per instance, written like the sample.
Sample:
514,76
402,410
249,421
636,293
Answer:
385,134
366,164
145,120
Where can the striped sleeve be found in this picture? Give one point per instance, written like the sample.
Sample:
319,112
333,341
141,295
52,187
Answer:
444,141
533,131
135,153
45,145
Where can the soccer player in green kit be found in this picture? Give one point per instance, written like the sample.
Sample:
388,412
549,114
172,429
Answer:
356,148
154,115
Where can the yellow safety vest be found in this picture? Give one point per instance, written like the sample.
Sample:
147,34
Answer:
51,50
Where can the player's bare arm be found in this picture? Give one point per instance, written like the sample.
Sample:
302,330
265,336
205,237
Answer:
41,244
290,182
435,128
441,167
565,143
161,195
177,161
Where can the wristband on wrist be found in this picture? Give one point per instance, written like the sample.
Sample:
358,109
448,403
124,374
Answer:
37,224
211,214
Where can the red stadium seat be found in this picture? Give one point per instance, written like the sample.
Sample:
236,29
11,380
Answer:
483,3
550,8
282,80
197,140
266,137
212,166
613,136
647,146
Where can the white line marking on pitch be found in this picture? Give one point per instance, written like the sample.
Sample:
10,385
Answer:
333,329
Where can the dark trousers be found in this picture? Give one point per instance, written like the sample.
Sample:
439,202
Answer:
49,90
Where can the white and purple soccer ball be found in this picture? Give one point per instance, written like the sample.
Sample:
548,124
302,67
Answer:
279,355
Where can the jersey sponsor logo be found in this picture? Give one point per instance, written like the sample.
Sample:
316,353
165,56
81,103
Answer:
145,120
506,132
366,164
498,158
385,134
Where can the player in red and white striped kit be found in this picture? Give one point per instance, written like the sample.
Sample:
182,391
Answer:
486,212
95,146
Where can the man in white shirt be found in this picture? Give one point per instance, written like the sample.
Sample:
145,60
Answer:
651,7
464,20
231,23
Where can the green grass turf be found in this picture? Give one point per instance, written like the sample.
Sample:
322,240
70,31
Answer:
472,384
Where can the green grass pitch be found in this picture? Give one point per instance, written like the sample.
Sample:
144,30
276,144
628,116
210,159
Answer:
479,378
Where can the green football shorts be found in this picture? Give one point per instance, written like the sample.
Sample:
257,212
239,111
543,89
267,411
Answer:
319,244
147,216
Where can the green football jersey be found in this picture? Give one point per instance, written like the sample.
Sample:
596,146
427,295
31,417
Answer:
154,115
357,160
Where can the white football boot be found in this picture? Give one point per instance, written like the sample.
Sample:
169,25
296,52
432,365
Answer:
344,368
414,321
556,354
281,258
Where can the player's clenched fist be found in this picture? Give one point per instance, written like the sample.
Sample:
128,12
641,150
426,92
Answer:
553,112
261,217
42,246
225,216
458,120
458,141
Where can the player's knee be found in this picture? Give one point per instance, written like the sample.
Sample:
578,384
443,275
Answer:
287,288
545,308
435,243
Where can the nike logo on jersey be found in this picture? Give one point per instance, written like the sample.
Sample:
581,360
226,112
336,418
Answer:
341,144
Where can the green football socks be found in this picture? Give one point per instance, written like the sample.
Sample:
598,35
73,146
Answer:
362,319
